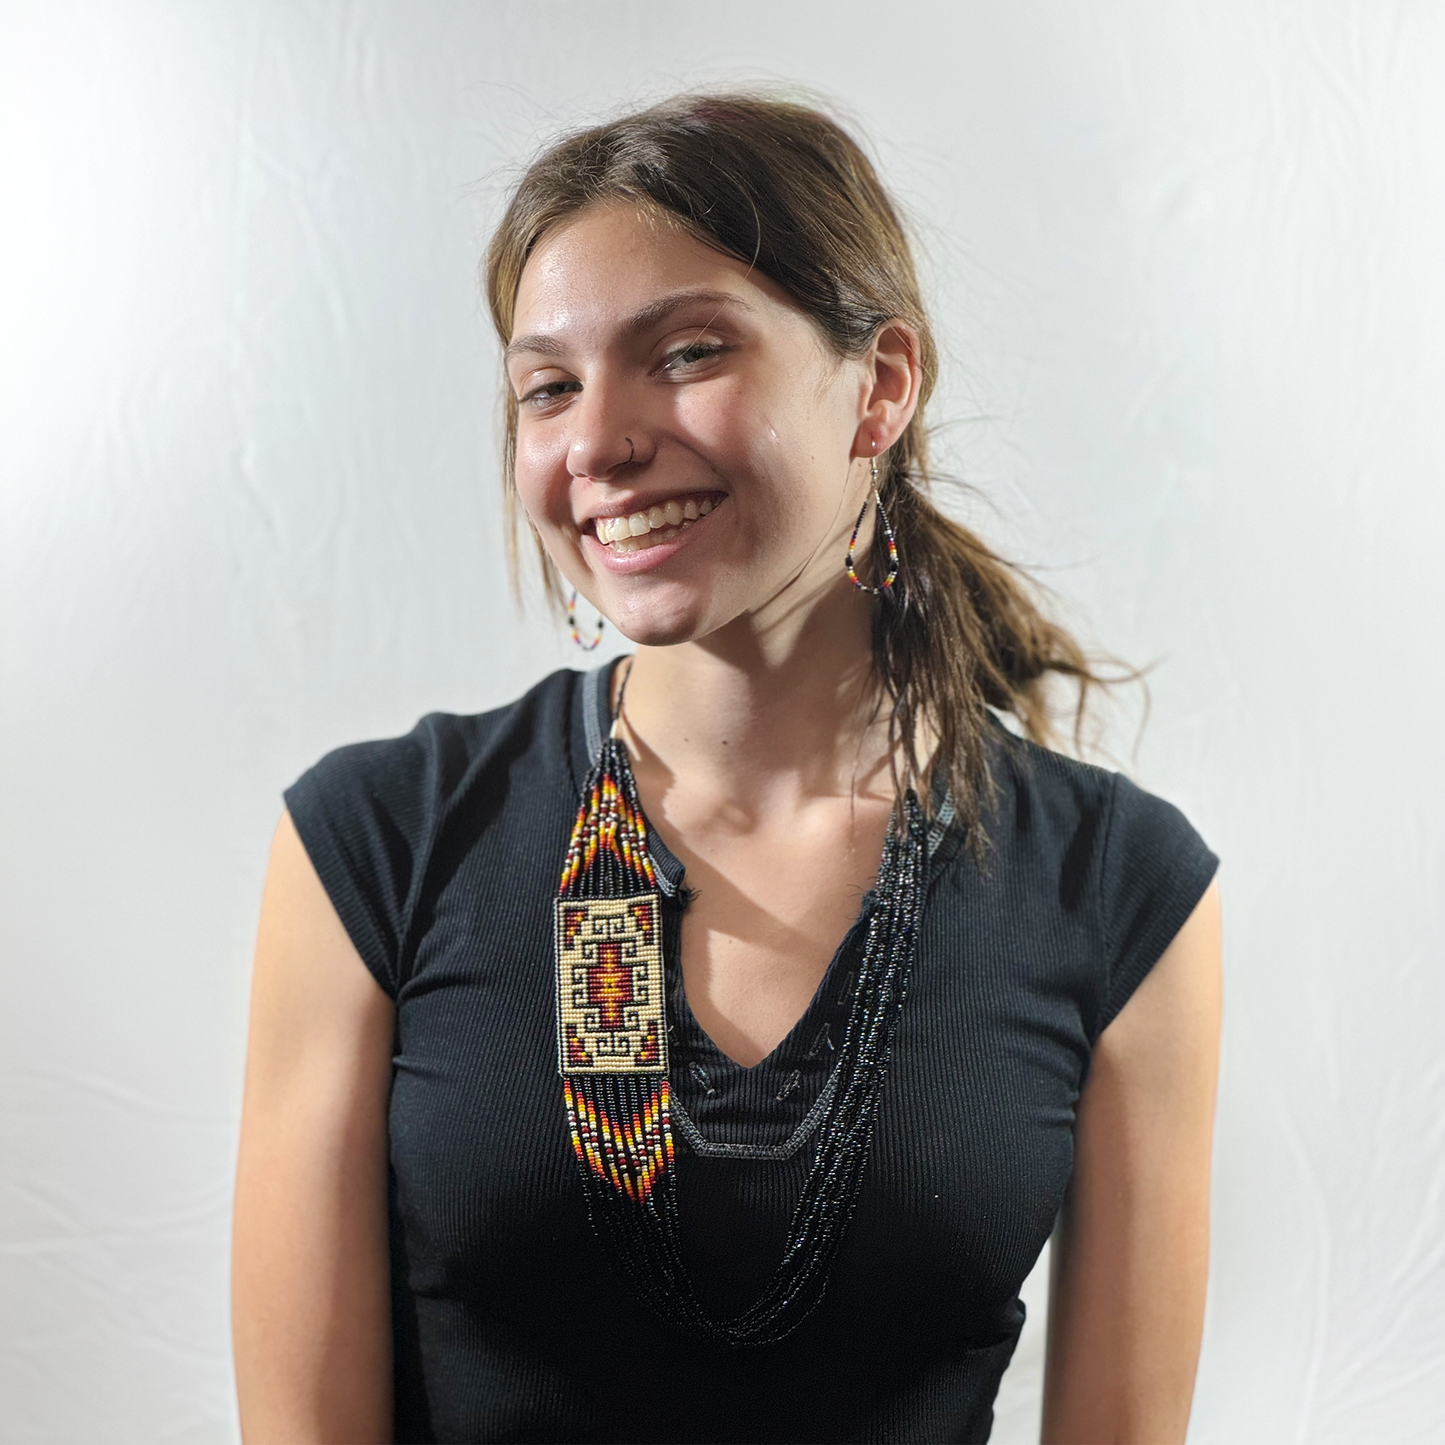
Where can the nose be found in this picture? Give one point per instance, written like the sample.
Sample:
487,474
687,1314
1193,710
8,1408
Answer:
598,458
603,442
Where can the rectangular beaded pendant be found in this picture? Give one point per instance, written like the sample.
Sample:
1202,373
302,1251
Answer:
611,1003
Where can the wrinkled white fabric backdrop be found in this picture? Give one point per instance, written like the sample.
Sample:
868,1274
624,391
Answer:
1186,259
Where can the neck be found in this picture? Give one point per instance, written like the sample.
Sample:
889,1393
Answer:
764,716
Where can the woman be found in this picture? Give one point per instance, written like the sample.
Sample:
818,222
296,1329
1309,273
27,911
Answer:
646,1153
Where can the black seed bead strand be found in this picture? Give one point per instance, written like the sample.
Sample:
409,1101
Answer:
645,1236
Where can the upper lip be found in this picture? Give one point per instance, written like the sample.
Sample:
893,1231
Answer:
626,506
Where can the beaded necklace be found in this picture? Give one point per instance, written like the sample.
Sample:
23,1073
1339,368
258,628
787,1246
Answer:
612,1055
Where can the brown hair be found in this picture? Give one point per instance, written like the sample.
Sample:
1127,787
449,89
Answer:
786,189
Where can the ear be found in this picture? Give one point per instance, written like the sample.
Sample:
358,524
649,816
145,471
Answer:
894,381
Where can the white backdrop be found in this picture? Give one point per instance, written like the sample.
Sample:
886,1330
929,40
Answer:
1187,265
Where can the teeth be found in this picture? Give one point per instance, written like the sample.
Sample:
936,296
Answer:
639,544
658,524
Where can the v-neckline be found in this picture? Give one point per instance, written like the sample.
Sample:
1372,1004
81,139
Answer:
800,1038
672,875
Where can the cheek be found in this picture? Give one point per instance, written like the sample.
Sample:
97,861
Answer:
714,420
543,482
747,432
785,441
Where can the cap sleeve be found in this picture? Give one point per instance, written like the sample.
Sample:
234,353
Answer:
1154,872
362,814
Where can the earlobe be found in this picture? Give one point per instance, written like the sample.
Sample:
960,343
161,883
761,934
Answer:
867,443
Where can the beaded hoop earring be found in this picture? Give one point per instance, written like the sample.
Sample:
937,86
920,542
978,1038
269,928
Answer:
892,541
577,638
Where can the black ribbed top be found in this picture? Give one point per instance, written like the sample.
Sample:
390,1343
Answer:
441,851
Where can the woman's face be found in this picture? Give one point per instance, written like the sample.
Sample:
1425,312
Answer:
686,438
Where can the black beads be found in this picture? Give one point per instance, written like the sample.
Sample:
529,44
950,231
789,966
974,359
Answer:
641,1226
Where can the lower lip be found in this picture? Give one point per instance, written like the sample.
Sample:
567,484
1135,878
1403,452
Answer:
628,564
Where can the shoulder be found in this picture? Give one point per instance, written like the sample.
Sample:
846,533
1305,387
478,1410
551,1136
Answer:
1039,789
442,749
371,814
1102,846
1088,810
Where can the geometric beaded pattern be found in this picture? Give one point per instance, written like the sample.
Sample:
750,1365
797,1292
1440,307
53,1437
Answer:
611,1009
609,830
611,1002
629,1152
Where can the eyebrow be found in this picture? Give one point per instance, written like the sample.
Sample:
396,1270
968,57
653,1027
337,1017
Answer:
540,344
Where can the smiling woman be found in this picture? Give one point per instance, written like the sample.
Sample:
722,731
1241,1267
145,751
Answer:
704,1047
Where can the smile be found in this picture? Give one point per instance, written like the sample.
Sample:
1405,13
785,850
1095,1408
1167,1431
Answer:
662,522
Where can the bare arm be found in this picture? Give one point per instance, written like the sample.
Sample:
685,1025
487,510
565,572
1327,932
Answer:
310,1268
1131,1251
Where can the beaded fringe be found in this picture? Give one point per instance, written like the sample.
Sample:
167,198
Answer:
617,1104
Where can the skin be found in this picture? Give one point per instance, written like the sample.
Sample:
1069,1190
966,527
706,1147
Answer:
649,367
310,1311
1131,1249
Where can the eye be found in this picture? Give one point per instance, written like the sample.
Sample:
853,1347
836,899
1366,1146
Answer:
549,391
692,355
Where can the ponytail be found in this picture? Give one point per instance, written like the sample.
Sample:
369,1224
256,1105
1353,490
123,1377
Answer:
960,633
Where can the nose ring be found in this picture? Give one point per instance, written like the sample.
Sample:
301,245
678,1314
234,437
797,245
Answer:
631,450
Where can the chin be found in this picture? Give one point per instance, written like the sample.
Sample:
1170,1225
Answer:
649,624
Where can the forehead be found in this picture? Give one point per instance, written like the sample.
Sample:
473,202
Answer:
611,260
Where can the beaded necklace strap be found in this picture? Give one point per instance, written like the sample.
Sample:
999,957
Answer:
612,1056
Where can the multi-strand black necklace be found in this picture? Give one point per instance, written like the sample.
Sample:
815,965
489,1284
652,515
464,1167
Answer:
612,1055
